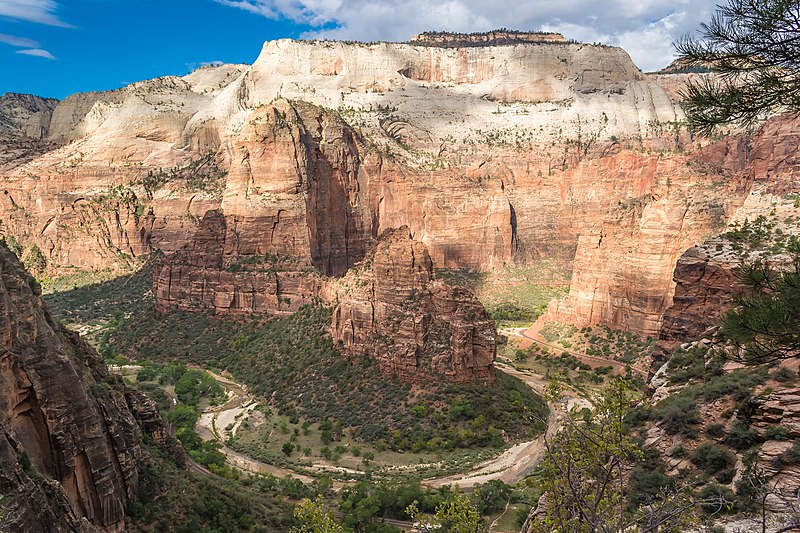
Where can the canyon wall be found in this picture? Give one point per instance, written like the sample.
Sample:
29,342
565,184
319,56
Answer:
492,155
624,263
69,438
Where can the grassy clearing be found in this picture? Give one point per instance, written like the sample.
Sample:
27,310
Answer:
556,362
514,293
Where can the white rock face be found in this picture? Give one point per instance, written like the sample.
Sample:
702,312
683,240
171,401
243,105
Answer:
537,93
448,91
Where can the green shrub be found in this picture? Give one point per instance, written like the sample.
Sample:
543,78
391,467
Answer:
784,375
774,432
741,437
712,458
679,416
716,499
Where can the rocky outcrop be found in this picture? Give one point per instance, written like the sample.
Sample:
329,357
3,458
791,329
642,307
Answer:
26,115
208,274
624,264
706,276
489,38
705,288
392,308
69,443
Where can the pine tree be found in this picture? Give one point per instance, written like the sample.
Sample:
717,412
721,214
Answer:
765,326
753,47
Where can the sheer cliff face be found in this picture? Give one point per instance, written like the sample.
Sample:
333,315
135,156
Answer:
489,154
625,261
433,121
418,328
69,442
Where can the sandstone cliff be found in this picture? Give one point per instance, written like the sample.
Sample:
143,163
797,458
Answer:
208,274
623,267
491,155
26,114
391,308
69,440
432,120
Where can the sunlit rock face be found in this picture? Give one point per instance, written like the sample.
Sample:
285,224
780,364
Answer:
492,154
418,328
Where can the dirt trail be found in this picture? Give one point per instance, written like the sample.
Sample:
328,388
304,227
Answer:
511,466
530,336
214,421
519,460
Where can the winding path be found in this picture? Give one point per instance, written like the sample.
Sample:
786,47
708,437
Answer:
591,360
519,460
511,466
214,421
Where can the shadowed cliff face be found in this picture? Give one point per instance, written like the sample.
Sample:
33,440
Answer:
69,441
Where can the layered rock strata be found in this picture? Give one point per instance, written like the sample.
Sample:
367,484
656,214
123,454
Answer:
494,38
392,308
69,440
707,276
207,275
624,264
490,154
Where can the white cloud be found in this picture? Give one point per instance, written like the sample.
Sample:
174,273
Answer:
37,52
20,42
645,28
39,11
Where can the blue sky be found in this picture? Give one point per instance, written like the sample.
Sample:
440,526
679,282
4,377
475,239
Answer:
59,47
104,44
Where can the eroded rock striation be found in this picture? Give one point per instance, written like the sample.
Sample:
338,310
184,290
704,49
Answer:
392,308
69,439
207,274
492,154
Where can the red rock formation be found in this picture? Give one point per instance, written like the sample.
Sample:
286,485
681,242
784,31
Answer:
622,273
705,288
624,263
418,328
208,274
62,417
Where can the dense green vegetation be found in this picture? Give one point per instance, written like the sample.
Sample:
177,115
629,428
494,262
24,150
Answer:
192,390
363,507
172,500
96,298
514,294
293,362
